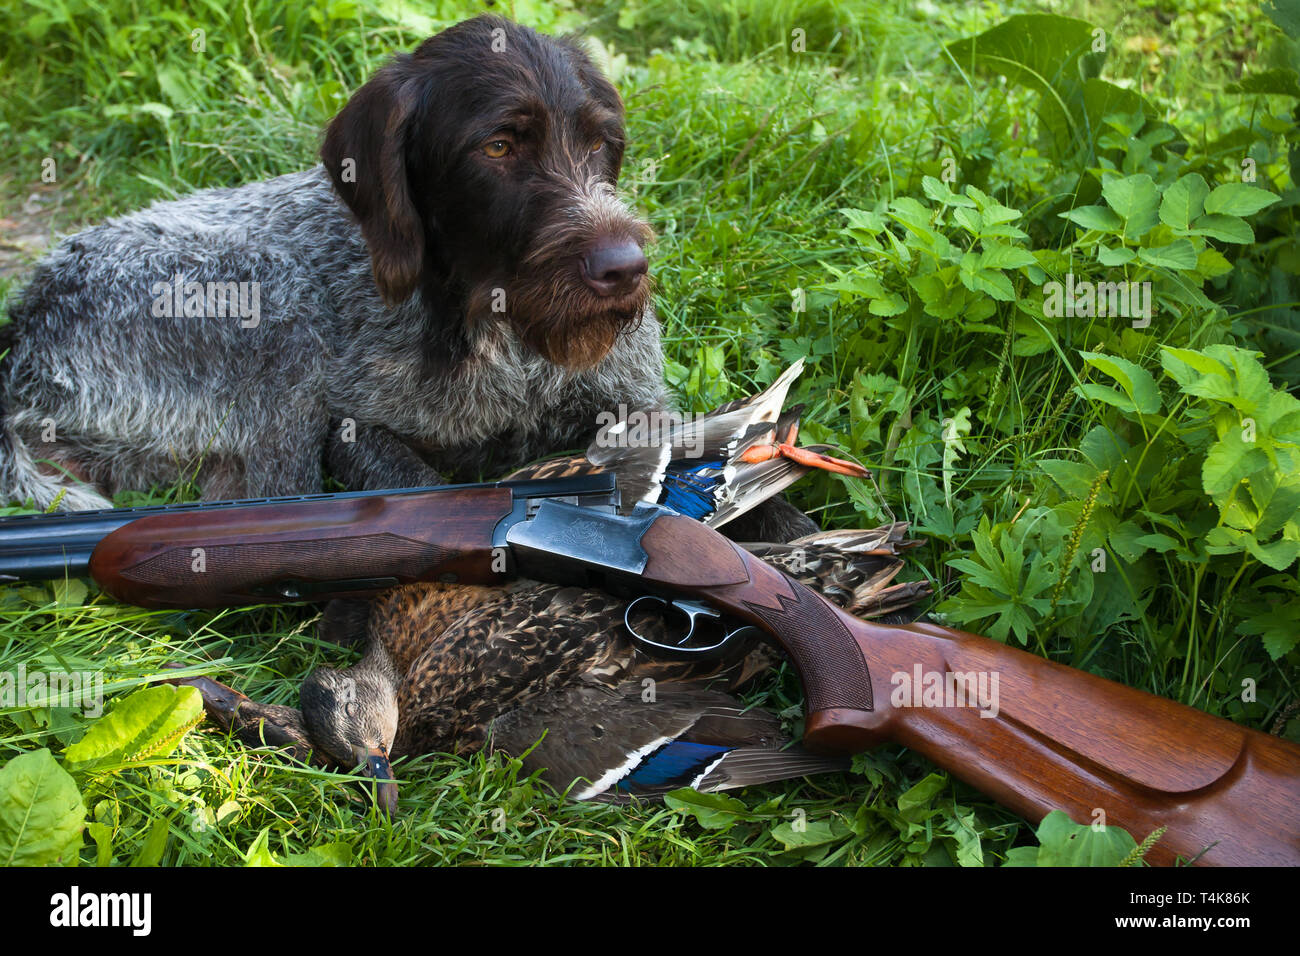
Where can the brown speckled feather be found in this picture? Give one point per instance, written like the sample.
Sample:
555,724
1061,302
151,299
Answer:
525,644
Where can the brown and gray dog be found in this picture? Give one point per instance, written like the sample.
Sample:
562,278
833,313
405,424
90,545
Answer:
456,290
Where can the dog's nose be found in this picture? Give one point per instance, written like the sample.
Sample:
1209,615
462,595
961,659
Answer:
614,268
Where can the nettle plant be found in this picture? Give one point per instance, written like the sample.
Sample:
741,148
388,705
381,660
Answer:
1090,469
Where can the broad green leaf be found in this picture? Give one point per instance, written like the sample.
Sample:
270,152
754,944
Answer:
1275,82
999,256
327,854
1044,52
1096,218
992,212
1104,100
969,219
1022,856
1278,503
989,281
1159,542
1238,199
1074,477
1107,396
1136,381
1188,366
969,850
149,723
102,834
71,592
914,805
810,833
1180,254
1135,198
1278,555
1224,228
1280,642
713,811
1278,627
259,854
869,222
1126,541
889,304
1211,263
1228,462
1112,258
1224,540
1062,842
940,193
1184,201
41,812
914,216
1254,391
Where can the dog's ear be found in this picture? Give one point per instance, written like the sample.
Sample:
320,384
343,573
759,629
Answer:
365,153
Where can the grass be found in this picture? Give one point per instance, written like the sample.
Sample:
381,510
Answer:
742,152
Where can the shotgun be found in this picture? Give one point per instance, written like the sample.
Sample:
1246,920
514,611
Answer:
1047,737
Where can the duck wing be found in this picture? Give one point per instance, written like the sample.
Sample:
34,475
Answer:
621,742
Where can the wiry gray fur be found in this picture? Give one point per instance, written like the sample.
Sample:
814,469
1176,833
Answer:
137,400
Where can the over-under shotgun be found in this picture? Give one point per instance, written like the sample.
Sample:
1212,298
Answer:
1055,738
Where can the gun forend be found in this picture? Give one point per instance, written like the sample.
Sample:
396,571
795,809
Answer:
303,550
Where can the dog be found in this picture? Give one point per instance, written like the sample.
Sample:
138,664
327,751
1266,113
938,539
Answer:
456,289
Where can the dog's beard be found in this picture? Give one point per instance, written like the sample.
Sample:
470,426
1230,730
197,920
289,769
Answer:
570,327
555,314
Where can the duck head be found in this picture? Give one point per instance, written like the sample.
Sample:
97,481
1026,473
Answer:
351,715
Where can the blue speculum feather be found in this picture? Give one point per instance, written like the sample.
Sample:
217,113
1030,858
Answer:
678,762
690,491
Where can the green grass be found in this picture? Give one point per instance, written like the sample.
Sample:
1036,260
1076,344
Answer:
742,152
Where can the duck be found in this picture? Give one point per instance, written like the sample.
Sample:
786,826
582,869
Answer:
550,674
713,467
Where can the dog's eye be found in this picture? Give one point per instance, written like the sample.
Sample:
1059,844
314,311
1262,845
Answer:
596,146
496,149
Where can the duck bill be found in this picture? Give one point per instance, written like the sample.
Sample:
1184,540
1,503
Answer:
378,768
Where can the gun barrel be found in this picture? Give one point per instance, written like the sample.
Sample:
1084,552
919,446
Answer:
41,547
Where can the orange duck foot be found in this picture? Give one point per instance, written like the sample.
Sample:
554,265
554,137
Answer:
810,459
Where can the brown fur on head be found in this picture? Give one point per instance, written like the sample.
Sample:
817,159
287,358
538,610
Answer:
482,169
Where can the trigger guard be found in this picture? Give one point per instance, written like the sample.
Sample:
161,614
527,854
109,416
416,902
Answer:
679,652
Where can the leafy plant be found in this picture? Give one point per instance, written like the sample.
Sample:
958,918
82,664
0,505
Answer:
41,813
1062,842
41,807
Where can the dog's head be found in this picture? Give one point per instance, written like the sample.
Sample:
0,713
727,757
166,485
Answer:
484,165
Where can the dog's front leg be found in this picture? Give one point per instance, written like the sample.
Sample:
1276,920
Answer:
370,457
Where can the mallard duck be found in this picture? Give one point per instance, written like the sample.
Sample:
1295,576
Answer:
453,668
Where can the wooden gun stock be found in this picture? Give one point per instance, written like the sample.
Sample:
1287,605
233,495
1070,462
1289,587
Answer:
1047,737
